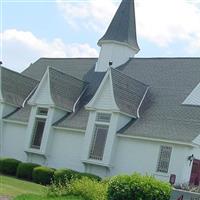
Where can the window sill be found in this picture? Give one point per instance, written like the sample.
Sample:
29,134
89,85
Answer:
95,162
162,174
35,151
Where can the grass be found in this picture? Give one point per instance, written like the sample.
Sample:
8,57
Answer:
12,187
36,197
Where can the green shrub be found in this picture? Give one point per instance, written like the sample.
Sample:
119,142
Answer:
25,170
88,189
43,175
1,159
91,176
64,176
9,166
137,187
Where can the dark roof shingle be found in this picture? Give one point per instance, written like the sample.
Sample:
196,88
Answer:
128,92
65,89
15,87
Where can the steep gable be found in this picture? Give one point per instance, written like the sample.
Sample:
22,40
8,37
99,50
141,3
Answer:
42,95
58,89
104,98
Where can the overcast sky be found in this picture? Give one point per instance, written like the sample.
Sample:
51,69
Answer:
31,29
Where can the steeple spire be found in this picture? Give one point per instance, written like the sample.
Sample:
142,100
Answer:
123,27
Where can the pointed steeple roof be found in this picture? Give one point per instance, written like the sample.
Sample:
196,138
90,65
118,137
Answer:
123,28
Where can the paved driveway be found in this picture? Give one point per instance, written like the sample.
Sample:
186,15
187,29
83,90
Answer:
4,198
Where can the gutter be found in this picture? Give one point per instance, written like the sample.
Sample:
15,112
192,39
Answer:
75,104
157,140
138,109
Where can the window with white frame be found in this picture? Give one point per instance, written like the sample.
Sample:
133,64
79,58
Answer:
99,136
164,159
40,121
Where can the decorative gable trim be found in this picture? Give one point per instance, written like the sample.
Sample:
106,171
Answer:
91,104
44,82
194,97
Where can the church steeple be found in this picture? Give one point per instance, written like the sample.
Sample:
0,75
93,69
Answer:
123,28
120,40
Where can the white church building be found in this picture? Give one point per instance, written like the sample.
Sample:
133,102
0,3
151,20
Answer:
110,115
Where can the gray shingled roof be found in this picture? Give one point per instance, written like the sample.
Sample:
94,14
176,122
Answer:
76,120
15,87
21,114
76,67
171,81
65,89
128,92
162,114
123,26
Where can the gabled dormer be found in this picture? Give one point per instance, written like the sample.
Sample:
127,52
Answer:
59,90
57,95
116,102
119,93
120,40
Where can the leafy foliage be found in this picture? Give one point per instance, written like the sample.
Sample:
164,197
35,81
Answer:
63,176
88,189
91,176
25,170
137,187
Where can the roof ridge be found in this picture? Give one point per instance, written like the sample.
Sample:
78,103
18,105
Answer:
53,68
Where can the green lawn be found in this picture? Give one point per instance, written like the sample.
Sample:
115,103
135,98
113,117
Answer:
35,197
13,187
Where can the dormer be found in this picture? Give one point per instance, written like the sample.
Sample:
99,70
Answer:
119,43
116,102
57,94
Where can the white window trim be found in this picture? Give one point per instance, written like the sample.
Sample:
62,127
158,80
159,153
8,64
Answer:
158,161
38,116
93,131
